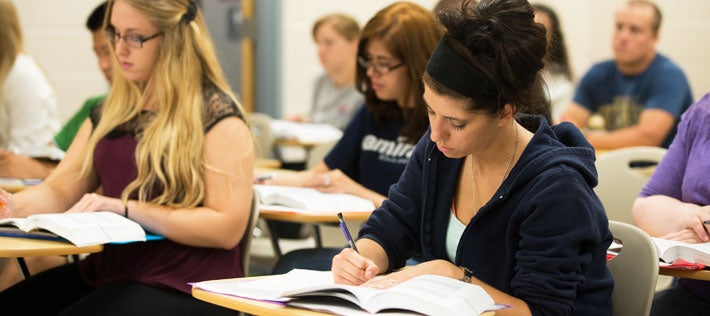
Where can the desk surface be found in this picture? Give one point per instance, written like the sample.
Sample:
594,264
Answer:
259,307
688,274
15,247
312,218
250,306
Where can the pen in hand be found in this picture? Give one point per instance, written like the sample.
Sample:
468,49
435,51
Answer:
265,177
706,222
346,232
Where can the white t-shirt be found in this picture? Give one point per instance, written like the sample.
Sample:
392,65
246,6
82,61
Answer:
28,111
559,92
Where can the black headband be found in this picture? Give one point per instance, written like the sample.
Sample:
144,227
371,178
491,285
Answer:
191,12
451,70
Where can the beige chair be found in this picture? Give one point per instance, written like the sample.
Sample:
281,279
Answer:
260,124
620,183
634,269
318,153
245,243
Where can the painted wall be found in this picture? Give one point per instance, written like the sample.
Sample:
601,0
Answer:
56,37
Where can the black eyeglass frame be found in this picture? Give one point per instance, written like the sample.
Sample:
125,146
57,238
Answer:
379,69
132,40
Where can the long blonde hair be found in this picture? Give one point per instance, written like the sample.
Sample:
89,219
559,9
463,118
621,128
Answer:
170,146
11,41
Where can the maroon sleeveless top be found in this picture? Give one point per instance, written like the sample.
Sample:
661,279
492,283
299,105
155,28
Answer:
161,263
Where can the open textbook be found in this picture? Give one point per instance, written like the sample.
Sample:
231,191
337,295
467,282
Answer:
426,294
298,199
308,133
81,229
670,250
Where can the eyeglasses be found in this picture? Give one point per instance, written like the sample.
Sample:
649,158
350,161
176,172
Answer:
379,68
132,40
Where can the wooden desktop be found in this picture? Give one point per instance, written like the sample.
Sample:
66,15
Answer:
17,247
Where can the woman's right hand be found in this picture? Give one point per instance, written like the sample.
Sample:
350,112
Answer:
5,204
349,267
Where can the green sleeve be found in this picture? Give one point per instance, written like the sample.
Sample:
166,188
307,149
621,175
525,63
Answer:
66,135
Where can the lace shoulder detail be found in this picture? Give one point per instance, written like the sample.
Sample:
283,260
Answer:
218,106
135,125
95,115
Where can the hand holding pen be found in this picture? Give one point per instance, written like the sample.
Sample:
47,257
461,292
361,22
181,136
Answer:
349,266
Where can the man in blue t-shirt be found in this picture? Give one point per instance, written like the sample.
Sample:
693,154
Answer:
640,94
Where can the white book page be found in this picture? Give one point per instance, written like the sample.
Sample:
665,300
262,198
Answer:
83,229
72,226
308,133
14,221
274,197
669,250
434,295
269,288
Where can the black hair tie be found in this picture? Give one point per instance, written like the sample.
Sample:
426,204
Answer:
191,13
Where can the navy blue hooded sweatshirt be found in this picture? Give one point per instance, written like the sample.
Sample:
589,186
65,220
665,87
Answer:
541,238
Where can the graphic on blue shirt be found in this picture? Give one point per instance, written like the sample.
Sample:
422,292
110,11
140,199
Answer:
390,151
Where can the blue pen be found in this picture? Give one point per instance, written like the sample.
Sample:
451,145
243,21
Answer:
346,232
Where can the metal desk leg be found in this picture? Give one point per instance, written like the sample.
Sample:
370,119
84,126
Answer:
316,231
274,238
23,267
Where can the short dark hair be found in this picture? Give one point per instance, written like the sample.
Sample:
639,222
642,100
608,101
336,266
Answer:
657,16
95,21
556,59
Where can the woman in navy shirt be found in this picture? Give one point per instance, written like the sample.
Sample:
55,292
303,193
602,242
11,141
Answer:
392,53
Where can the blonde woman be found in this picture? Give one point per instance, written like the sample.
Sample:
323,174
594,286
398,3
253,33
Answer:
171,151
28,108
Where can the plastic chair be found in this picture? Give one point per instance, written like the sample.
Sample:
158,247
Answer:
260,124
245,243
318,152
622,174
634,269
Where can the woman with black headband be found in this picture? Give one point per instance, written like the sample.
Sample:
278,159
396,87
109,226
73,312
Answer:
492,196
171,151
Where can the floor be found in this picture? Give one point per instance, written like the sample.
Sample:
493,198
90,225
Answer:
262,254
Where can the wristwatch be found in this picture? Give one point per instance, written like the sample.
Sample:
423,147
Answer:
467,274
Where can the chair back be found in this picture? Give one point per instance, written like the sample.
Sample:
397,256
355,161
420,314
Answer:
260,124
245,243
622,175
318,153
634,269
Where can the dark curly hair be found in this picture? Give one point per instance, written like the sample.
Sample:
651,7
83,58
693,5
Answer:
500,39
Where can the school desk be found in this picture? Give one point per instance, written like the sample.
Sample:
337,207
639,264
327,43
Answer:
257,307
688,274
18,248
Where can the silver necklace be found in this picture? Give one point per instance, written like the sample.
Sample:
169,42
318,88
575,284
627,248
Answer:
507,169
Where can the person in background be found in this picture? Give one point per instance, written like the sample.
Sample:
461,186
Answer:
100,45
16,165
171,154
640,94
674,204
377,143
28,107
10,274
557,73
335,98
492,196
